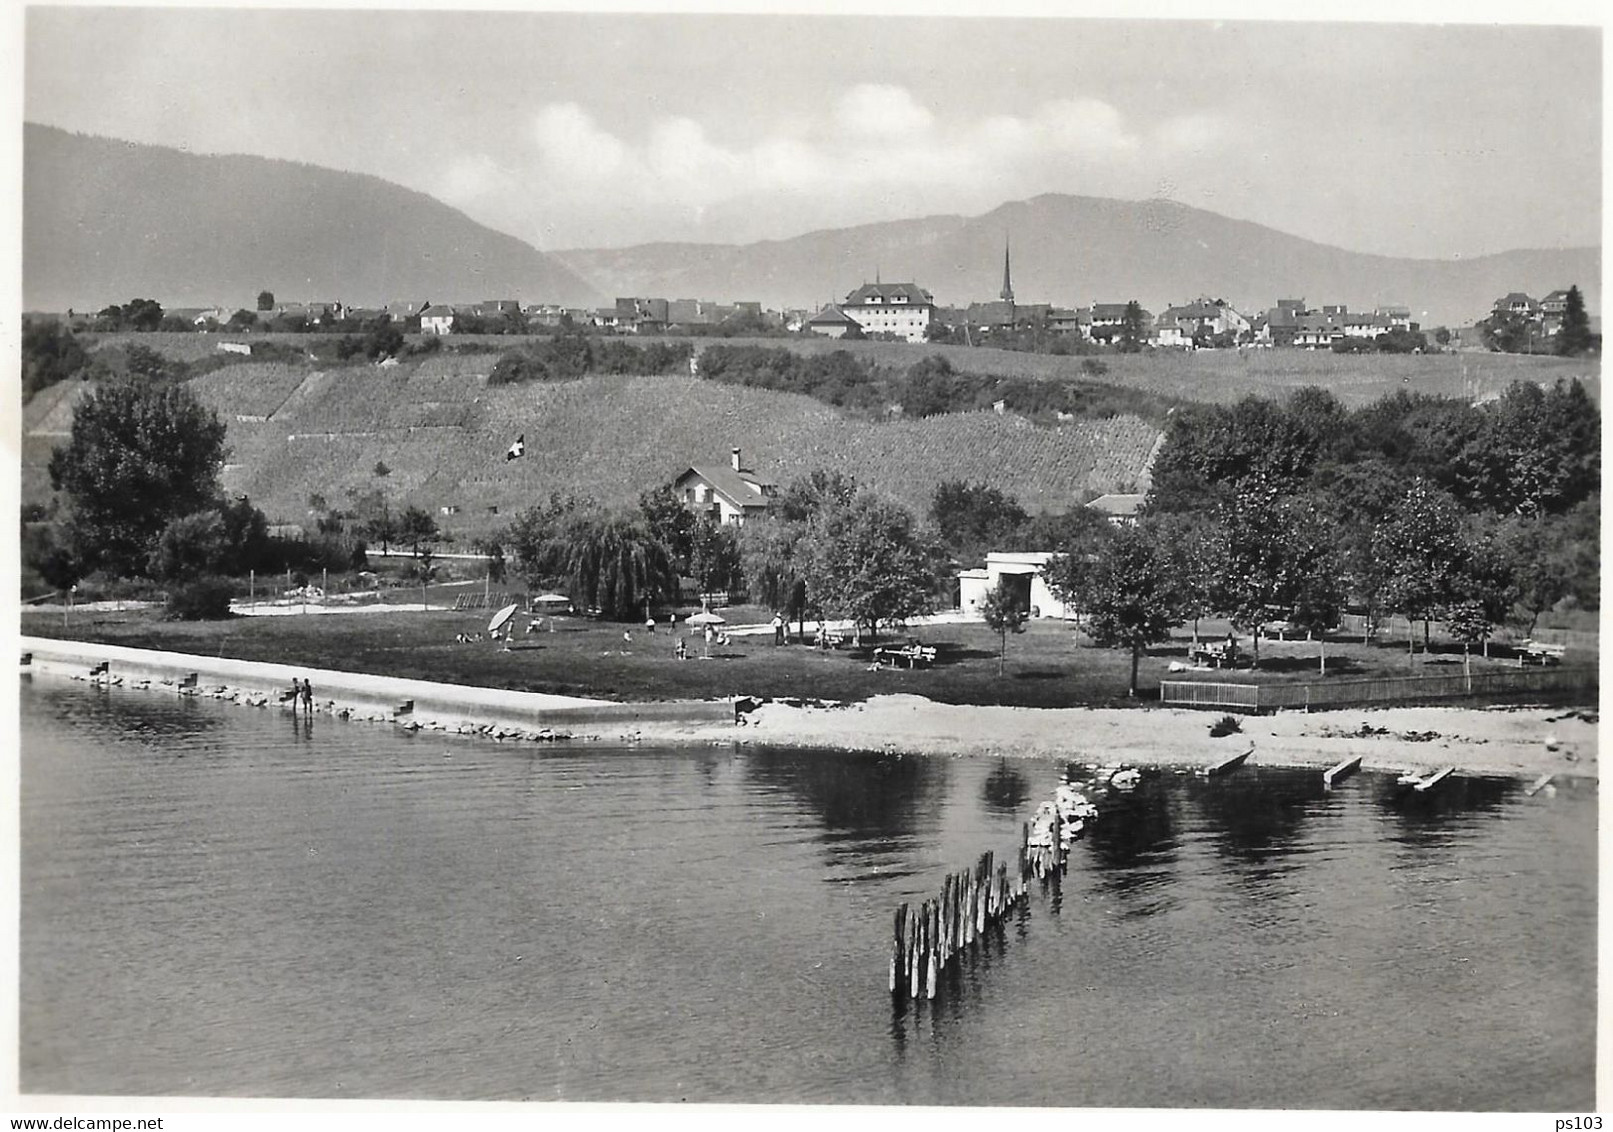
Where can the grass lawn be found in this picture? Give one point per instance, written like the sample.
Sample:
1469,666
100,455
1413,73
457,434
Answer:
1050,665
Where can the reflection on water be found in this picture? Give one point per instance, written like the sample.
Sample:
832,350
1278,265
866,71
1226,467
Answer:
1006,789
329,909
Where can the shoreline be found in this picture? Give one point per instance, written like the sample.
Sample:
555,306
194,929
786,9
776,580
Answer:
1512,741
1508,741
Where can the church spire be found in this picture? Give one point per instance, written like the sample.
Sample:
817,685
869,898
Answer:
1008,282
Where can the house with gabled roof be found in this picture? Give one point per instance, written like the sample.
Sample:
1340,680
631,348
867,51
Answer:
437,319
902,309
729,494
832,322
1516,302
1119,508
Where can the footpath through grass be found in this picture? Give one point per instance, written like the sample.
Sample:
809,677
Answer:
1050,665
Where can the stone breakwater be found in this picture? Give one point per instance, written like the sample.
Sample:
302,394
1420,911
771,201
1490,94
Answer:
414,705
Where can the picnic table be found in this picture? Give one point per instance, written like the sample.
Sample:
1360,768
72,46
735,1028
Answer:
913,656
1538,652
1220,654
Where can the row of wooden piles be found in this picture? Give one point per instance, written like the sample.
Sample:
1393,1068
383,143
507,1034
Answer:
927,940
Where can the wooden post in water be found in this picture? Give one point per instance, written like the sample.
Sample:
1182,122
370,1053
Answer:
932,925
896,948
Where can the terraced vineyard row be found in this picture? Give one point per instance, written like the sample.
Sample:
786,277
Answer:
252,389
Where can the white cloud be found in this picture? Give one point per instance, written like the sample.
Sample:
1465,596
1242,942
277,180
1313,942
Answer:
876,110
877,154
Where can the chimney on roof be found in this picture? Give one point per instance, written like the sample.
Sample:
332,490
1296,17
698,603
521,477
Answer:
736,459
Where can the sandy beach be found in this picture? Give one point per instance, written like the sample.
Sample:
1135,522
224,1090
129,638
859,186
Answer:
1518,741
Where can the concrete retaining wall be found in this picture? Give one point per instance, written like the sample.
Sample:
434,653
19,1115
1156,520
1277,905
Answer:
448,704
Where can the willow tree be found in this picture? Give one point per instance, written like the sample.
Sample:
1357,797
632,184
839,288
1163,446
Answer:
614,564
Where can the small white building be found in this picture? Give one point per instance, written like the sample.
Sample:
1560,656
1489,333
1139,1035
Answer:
1024,573
437,319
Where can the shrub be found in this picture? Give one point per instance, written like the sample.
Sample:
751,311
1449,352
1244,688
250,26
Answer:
1226,725
204,599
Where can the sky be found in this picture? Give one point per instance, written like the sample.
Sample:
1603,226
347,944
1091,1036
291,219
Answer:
571,130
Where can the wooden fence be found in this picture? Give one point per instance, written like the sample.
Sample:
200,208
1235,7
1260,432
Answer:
1374,690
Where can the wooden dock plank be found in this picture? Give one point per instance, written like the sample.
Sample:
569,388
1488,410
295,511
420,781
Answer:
1342,771
1227,764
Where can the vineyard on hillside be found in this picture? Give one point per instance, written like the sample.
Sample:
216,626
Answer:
438,441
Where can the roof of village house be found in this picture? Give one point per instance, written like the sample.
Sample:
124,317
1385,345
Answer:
1283,317
1198,308
908,293
742,489
1515,298
1112,310
832,315
1119,506
1313,320
438,310
1555,297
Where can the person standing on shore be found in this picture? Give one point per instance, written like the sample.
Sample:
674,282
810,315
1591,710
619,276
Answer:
778,630
308,696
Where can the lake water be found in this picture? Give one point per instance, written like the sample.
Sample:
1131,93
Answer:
221,901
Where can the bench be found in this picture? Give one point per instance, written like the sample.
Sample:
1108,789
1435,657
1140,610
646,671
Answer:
1538,652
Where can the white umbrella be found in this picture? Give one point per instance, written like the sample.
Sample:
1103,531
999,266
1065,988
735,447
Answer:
704,617
551,599
501,617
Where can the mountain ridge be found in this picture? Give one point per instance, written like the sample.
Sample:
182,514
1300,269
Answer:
1086,249
107,220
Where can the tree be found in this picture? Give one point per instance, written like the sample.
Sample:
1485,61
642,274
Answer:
1574,337
1420,550
1507,332
1250,562
1003,615
139,454
1131,328
266,300
50,353
671,522
418,528
534,537
1125,591
241,320
864,561
189,546
974,520
1535,450
714,555
614,563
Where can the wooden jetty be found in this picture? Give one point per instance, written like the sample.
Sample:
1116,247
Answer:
1434,779
1227,764
1342,771
1538,785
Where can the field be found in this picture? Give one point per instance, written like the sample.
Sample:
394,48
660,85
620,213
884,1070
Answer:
1050,665
1207,375
1228,375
